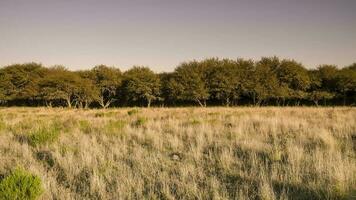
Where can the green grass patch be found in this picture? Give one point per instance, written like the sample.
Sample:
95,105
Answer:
113,127
2,125
43,135
85,126
20,185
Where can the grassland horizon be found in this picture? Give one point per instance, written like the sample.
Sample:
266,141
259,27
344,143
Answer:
180,153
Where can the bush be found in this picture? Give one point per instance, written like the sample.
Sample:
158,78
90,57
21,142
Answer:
43,135
20,185
46,157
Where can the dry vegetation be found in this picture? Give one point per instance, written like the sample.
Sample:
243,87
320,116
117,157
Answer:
183,153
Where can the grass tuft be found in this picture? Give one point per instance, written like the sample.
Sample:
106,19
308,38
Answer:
114,126
20,185
43,136
85,126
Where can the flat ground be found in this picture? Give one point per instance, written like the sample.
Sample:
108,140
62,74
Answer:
184,153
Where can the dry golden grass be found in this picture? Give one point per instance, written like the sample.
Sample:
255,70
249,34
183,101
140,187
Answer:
184,153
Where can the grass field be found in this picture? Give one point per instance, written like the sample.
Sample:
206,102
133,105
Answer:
183,153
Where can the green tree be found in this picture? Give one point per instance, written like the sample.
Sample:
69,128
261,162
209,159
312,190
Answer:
168,86
265,81
293,79
5,86
189,83
108,80
141,84
223,80
351,67
20,81
346,82
60,84
327,75
316,96
86,92
245,77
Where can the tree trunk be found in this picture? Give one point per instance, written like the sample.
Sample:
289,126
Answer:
227,102
149,103
48,104
297,103
101,102
201,105
104,104
107,105
316,102
69,102
254,99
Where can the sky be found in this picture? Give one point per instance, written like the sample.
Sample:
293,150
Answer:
161,34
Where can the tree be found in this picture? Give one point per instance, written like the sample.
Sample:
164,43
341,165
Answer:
245,78
270,81
189,83
107,80
5,85
141,84
60,84
86,92
168,86
316,96
351,67
265,81
20,81
327,75
346,82
223,80
293,79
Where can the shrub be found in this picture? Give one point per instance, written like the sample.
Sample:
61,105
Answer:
46,157
20,185
43,135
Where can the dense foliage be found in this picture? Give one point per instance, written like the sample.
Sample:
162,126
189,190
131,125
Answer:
20,185
269,81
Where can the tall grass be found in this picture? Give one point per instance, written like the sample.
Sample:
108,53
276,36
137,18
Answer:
185,153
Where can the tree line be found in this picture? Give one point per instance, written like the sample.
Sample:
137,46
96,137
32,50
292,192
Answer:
214,81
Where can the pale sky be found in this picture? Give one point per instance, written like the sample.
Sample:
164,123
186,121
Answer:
80,34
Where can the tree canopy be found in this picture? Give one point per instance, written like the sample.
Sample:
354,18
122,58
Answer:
213,81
